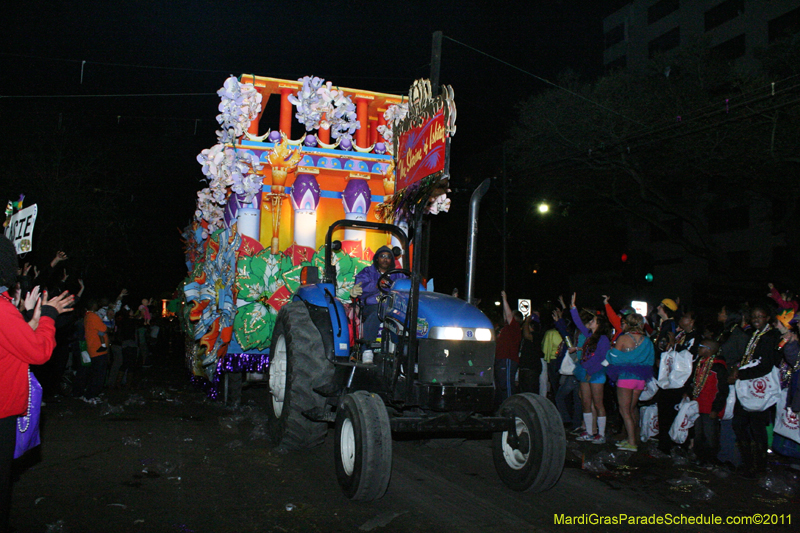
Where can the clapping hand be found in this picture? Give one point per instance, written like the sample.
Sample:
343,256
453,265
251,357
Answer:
32,299
62,303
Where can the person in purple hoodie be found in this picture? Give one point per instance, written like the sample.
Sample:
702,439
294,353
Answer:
366,289
591,373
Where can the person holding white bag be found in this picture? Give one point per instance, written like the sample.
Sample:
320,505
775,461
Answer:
760,357
709,388
791,352
687,338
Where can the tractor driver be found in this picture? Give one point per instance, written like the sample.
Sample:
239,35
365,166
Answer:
366,288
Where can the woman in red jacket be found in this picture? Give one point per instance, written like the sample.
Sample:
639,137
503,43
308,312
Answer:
21,343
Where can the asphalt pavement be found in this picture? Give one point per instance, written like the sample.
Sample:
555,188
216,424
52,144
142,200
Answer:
161,457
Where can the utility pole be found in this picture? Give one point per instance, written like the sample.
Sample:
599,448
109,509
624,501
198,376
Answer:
436,62
505,219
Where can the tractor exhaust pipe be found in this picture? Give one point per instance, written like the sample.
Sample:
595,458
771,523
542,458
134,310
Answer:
474,205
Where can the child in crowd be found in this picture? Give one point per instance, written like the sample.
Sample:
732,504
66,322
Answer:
144,310
709,387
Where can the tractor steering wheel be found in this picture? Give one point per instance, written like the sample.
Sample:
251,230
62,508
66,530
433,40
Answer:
384,283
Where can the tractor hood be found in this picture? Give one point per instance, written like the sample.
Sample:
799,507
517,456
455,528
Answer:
442,316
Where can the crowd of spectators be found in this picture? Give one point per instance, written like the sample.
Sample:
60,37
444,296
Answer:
604,367
72,346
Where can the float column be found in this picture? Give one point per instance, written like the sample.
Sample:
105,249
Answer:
253,129
285,122
324,135
356,200
362,112
373,130
305,200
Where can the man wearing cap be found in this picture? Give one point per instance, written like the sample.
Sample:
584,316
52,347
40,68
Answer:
366,289
668,328
614,318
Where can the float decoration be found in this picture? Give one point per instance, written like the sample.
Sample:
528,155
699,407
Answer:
239,308
224,165
384,211
305,199
319,105
240,104
258,278
394,113
421,148
192,239
212,294
283,161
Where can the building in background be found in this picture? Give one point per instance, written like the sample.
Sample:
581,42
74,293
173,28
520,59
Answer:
733,28
747,234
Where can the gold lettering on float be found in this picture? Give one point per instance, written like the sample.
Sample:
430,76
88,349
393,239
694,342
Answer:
436,135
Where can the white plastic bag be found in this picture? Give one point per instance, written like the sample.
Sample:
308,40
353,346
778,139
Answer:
649,391
787,422
759,394
688,411
675,369
567,365
543,381
729,404
648,421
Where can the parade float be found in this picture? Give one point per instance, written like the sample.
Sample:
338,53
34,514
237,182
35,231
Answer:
268,201
278,237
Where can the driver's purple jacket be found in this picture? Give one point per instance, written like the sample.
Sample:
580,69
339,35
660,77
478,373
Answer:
369,276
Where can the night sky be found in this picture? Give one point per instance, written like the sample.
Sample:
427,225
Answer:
184,50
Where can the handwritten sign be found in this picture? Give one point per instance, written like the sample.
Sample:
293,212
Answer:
421,151
20,229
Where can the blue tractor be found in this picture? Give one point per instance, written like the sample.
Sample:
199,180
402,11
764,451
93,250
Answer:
432,374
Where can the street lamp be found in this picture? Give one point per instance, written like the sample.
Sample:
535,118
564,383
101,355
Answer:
543,208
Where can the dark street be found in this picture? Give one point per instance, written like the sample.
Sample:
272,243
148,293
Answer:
160,457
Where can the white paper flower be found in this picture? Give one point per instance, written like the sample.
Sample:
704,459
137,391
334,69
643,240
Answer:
208,209
319,105
440,204
240,103
393,114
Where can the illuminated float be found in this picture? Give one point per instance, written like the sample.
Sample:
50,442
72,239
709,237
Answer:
269,202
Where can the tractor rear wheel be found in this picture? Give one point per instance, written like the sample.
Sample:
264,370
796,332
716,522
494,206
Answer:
297,366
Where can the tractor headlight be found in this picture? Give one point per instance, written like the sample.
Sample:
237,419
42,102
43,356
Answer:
483,334
451,334
460,334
